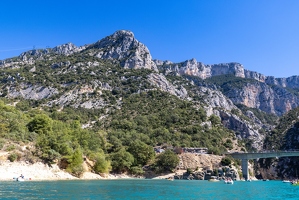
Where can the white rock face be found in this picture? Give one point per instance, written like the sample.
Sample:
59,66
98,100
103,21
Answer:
194,68
161,82
67,49
124,47
31,92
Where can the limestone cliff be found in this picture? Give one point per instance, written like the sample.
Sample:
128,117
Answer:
123,46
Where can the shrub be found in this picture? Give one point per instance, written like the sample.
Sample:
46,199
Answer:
10,148
189,171
137,170
2,142
226,161
102,165
12,157
167,161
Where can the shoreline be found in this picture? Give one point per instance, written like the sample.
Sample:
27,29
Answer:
42,172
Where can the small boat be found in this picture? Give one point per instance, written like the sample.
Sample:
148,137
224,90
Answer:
286,181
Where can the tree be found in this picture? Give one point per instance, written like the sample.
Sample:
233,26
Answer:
41,123
167,161
215,120
142,152
102,165
121,160
75,162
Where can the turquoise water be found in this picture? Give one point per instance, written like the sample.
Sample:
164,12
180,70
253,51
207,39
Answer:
147,189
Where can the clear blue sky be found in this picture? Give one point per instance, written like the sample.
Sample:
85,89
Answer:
263,35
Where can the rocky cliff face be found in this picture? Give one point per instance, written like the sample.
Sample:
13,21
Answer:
268,94
123,46
274,100
290,82
220,105
194,68
161,82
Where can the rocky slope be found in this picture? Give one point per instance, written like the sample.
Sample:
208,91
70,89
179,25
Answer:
269,94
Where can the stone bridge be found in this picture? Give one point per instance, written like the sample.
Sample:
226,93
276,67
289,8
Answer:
266,154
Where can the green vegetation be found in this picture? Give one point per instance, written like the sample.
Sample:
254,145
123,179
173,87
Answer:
263,116
229,81
226,161
285,133
134,117
167,161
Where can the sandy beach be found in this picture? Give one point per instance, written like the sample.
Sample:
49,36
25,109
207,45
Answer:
40,171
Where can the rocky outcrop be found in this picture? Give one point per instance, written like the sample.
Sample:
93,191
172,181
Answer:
276,100
122,46
198,69
243,129
290,82
162,83
67,49
215,99
28,57
203,167
31,92
221,106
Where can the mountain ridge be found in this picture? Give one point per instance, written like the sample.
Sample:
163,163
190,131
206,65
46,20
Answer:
190,67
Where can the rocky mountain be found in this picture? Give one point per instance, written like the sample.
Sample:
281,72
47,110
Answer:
104,76
49,66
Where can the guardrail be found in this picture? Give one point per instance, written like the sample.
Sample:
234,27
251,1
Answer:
264,154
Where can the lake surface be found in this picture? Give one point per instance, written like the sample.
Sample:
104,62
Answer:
147,189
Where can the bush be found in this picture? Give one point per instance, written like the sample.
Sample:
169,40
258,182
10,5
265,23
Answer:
189,171
10,148
2,142
226,161
228,144
136,170
102,165
12,157
167,161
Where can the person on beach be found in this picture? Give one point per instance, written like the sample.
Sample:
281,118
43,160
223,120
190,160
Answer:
21,176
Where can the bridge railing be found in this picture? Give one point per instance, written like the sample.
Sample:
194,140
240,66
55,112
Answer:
264,151
264,154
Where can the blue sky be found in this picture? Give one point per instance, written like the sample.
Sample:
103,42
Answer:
263,35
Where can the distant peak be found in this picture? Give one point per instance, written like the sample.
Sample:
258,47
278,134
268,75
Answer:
122,33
